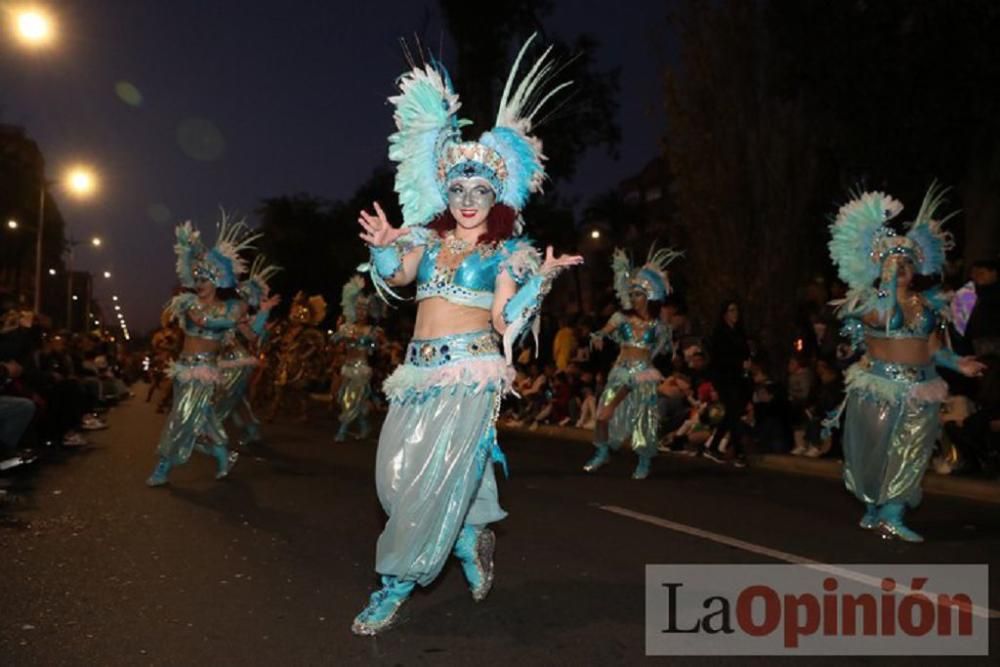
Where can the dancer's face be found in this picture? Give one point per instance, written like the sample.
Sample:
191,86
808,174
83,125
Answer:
204,288
639,300
470,201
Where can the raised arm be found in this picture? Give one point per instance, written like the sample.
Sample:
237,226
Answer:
395,252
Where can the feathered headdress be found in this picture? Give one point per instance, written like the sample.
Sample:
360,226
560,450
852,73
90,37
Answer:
350,296
861,239
652,277
219,264
427,143
255,288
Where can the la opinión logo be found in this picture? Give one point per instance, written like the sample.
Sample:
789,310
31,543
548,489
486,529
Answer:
831,613
817,610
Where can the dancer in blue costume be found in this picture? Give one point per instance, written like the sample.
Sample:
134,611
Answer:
893,392
627,409
239,360
362,340
476,282
206,318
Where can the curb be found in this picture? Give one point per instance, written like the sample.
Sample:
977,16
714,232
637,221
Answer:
979,490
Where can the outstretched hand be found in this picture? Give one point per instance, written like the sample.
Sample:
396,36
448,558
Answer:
553,263
971,367
270,302
377,230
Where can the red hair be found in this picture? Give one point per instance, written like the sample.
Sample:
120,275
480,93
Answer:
499,224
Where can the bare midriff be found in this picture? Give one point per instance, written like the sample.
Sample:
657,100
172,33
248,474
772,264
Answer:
910,351
196,345
437,317
630,353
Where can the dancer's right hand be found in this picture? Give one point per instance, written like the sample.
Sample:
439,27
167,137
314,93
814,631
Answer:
377,230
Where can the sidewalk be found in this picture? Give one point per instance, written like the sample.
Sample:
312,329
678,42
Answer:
981,490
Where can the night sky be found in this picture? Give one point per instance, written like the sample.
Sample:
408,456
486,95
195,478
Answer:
185,105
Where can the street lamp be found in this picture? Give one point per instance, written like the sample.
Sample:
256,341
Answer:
12,224
34,27
96,241
80,181
107,274
596,234
52,272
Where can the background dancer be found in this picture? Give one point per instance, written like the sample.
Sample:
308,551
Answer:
361,339
627,409
893,392
475,282
239,359
206,315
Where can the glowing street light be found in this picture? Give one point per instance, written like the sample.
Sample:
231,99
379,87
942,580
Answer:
52,272
117,307
107,274
12,224
81,180
596,234
114,298
96,241
76,298
34,27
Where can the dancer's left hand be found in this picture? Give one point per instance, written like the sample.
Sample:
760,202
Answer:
553,263
270,302
971,367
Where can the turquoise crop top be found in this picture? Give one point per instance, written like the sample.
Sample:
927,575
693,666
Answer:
624,333
366,342
218,321
922,326
473,282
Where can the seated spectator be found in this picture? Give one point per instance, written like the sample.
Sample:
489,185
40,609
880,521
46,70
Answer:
800,387
588,408
828,397
15,416
769,411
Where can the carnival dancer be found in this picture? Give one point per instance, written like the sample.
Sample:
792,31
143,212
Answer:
476,282
893,391
627,409
205,315
361,339
299,356
239,360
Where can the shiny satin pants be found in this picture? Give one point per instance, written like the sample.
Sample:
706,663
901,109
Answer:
432,475
232,400
887,444
193,420
354,391
636,419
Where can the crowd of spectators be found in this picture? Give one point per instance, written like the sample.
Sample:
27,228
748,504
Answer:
54,386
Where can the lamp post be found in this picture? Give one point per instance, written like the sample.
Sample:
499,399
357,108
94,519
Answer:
81,182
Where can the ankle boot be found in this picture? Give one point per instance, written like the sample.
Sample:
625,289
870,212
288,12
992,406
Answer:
891,523
160,472
341,433
225,460
474,549
382,607
642,468
870,519
599,458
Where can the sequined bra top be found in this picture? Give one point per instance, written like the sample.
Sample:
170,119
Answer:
365,342
624,333
219,319
473,281
922,325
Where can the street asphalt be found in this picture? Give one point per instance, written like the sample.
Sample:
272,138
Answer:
270,566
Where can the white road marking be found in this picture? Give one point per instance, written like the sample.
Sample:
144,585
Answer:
768,552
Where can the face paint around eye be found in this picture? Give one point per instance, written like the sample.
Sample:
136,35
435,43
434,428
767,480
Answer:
470,201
